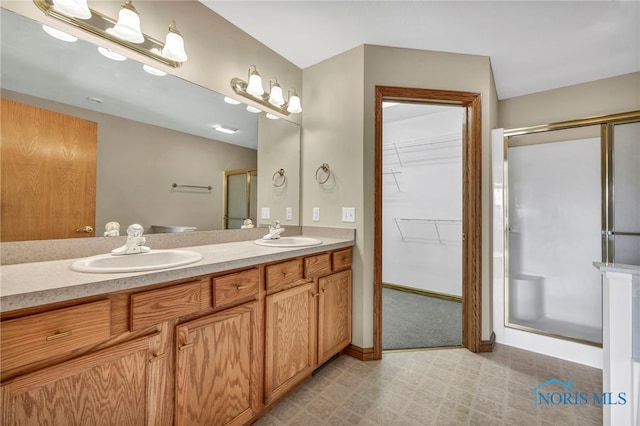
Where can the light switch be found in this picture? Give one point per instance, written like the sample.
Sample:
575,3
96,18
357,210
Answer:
316,214
348,214
266,214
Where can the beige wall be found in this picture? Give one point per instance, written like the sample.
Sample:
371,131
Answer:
339,129
137,164
600,97
217,50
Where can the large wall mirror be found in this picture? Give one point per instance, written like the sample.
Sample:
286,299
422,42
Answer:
159,160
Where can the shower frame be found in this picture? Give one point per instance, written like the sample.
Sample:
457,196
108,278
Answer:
606,124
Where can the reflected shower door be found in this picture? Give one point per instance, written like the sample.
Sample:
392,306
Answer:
554,237
240,197
625,229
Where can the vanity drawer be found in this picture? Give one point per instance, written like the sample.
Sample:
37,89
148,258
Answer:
341,259
317,266
38,337
235,287
156,306
283,274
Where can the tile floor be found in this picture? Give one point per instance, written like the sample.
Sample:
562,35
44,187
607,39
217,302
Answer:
439,387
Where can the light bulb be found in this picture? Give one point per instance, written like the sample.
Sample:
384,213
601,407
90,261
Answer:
75,8
294,104
174,45
128,25
275,97
255,83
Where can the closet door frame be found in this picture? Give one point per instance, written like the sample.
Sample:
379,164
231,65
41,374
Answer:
471,209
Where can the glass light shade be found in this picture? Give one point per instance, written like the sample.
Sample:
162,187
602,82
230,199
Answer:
255,85
272,116
253,109
60,35
227,130
275,97
294,105
153,71
128,26
111,54
75,8
174,47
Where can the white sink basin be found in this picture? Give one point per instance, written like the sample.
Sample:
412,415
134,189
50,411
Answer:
153,260
289,242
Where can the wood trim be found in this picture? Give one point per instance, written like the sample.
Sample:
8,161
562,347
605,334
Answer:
488,345
428,293
472,208
362,354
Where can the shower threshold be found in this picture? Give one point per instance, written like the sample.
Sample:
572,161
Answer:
562,329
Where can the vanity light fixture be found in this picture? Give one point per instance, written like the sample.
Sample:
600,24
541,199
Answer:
273,101
60,35
75,8
275,96
253,109
227,130
125,31
128,25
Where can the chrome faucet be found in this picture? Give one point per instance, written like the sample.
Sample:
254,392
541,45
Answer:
274,231
135,241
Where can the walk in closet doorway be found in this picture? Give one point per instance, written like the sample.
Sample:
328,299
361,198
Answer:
427,225
422,226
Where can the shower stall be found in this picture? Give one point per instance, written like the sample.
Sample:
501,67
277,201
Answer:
572,197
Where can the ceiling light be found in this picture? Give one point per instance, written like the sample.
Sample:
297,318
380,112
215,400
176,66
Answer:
75,8
174,45
231,101
227,130
128,25
253,109
272,116
275,97
294,102
111,54
60,35
153,71
255,82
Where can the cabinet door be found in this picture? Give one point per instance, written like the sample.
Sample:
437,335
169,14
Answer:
218,368
289,339
108,387
334,314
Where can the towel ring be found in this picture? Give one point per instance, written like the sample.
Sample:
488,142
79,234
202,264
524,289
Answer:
281,173
325,168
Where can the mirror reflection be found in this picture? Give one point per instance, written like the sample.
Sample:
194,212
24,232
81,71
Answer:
157,158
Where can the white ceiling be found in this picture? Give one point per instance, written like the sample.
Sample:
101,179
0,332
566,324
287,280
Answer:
533,45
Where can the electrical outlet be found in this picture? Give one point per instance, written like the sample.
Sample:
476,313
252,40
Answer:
266,213
316,214
289,213
348,214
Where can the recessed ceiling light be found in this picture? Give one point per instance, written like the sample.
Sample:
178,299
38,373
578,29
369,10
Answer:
111,54
253,109
153,71
231,101
227,130
60,35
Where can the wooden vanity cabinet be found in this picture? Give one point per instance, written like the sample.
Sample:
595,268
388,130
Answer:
218,368
107,387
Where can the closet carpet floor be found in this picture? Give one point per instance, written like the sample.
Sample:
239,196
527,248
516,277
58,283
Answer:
412,321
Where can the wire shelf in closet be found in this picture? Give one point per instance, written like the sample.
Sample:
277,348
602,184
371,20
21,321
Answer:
402,153
444,229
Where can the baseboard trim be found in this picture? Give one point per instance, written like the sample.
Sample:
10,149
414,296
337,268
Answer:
487,345
363,354
422,292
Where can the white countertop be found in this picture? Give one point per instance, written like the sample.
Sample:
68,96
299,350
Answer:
39,283
617,267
